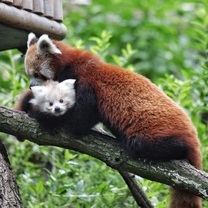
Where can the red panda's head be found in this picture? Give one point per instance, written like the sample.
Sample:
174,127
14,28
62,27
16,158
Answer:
39,56
54,98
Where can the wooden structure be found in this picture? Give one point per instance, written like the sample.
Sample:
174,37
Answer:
20,17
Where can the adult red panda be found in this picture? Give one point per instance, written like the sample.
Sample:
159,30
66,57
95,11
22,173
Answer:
143,118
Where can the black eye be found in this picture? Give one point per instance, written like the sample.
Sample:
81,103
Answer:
61,101
35,75
51,103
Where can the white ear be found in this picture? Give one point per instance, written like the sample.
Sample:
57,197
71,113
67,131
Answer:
68,83
34,101
31,39
45,46
39,91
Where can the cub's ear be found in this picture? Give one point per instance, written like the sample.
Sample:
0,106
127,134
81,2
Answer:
39,91
32,39
68,83
45,46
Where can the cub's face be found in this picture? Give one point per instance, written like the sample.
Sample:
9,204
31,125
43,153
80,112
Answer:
38,58
54,98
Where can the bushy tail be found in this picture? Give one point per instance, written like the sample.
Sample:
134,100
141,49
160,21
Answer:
182,199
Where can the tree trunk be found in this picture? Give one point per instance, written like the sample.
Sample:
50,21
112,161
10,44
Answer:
9,193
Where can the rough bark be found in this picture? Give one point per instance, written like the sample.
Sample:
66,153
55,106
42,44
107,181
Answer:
9,193
178,174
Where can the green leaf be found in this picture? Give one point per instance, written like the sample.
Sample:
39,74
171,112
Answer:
39,187
80,186
63,189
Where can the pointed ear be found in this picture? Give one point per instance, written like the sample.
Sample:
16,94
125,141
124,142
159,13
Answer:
45,46
32,39
68,83
33,101
39,91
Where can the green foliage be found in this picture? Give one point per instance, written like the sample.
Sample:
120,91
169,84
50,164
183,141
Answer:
165,40
160,31
102,44
12,78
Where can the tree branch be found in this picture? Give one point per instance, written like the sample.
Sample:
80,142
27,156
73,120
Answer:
136,190
178,174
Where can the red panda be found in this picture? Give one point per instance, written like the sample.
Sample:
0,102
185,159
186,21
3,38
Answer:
50,105
143,118
53,97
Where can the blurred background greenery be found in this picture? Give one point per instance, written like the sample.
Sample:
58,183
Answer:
163,40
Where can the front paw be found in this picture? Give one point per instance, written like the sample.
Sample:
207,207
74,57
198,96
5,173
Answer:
53,131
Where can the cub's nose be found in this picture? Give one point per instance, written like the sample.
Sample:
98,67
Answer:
57,109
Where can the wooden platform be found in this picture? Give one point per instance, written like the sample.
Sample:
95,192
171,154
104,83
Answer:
17,22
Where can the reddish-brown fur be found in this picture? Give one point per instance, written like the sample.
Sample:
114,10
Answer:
18,105
129,104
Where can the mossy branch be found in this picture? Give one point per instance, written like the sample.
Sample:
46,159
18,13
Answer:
178,174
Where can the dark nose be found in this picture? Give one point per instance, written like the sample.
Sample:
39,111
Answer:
31,85
57,109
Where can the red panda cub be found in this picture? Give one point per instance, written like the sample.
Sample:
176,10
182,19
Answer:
54,98
142,117
49,104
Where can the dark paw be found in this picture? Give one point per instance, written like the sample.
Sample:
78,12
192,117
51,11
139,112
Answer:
150,161
53,132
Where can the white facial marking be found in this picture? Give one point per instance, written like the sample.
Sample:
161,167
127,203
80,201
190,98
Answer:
29,72
46,71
